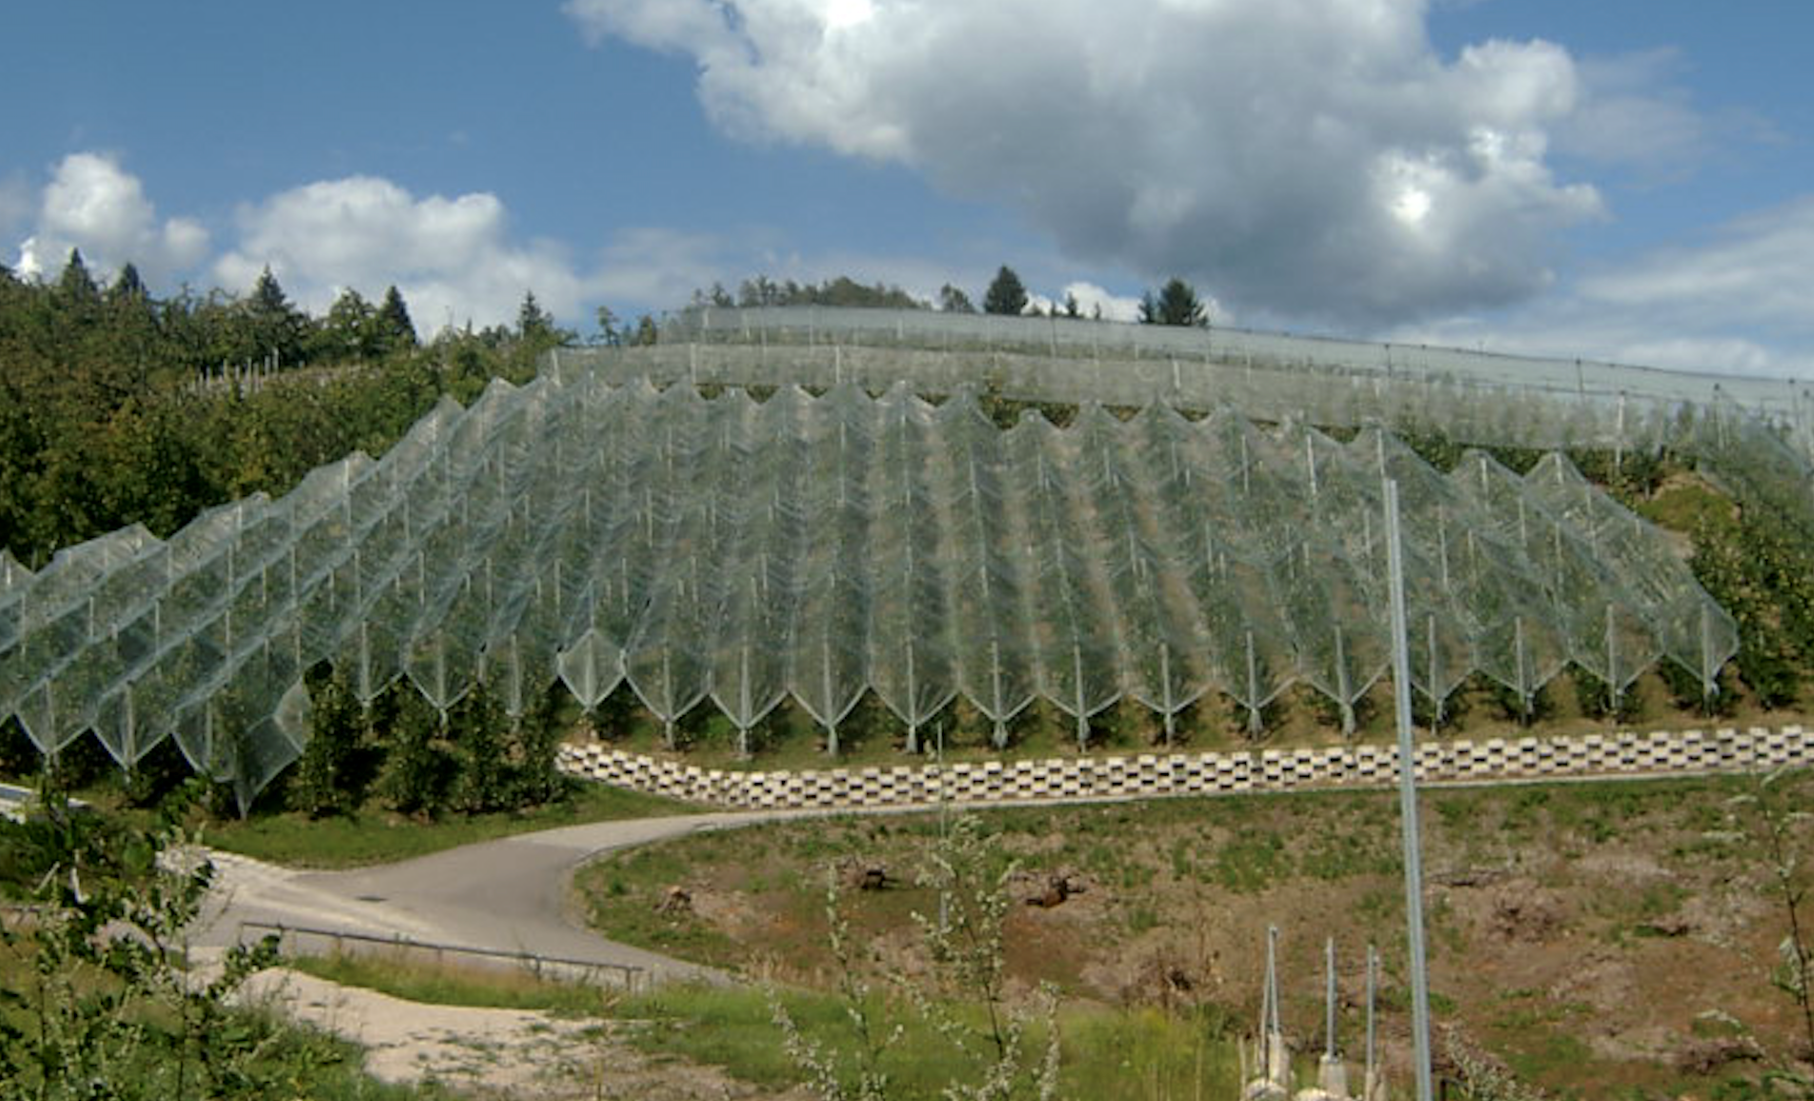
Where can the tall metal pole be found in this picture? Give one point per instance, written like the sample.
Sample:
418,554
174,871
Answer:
1369,1088
1407,798
1329,999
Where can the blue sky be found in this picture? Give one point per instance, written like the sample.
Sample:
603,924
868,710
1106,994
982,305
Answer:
1623,180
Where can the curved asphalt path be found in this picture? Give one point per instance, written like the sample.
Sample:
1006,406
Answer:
509,895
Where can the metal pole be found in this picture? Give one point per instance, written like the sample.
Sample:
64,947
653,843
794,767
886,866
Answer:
1407,799
1369,1084
1329,999
944,824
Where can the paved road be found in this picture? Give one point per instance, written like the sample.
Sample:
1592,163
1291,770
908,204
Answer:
508,895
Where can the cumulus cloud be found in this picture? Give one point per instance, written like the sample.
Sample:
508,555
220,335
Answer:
93,204
1741,300
453,258
1095,301
1115,307
1311,158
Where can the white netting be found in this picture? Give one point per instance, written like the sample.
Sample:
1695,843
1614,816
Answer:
738,552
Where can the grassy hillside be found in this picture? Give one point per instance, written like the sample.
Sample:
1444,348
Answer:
1602,940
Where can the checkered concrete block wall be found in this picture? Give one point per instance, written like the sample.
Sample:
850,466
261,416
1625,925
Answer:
1148,775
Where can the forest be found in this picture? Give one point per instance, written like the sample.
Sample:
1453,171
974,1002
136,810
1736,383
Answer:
118,407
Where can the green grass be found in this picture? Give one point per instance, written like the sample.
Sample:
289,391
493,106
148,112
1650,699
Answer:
1139,1053
448,984
1105,1052
292,1060
374,836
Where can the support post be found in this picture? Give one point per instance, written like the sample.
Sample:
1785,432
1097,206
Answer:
1407,800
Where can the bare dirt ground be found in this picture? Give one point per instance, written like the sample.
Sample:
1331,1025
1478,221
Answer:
1605,940
492,1053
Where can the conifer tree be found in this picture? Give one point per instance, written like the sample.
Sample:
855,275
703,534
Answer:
532,322
128,286
276,327
395,329
75,287
1006,295
1176,304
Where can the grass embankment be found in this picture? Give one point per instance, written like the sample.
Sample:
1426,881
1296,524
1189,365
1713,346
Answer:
1585,934
1107,1052
377,836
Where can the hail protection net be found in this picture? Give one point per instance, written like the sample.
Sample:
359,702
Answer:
733,553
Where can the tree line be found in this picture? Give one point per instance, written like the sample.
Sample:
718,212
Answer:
103,423
1175,303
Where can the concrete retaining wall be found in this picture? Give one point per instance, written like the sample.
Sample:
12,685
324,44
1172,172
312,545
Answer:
1153,775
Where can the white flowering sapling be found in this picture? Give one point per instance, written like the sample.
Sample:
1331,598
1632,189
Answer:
874,1038
1764,820
964,949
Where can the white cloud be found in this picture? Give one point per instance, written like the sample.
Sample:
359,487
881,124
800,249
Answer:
453,259
1758,270
1113,307
655,268
1311,159
93,204
1739,301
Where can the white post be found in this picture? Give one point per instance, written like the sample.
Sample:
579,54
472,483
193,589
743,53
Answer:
1407,800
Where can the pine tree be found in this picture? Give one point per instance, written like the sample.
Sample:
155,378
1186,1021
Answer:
533,323
953,300
1177,304
396,331
128,286
275,326
1005,295
75,286
268,298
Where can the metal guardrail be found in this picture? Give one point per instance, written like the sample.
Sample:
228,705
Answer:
628,976
15,801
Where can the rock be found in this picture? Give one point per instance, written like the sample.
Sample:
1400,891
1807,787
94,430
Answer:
1706,1054
1467,877
1524,913
860,875
675,901
1675,925
1055,889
